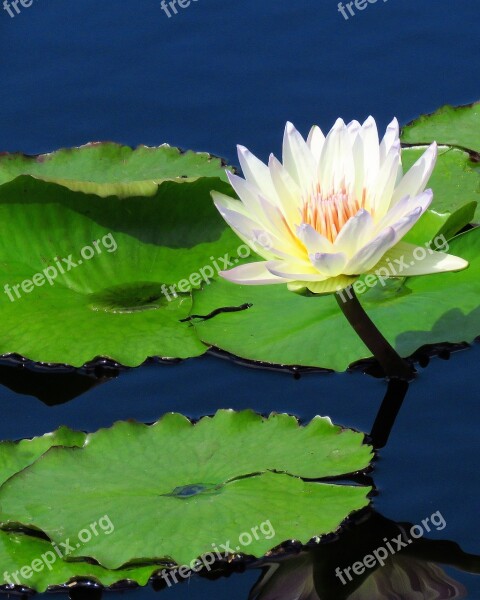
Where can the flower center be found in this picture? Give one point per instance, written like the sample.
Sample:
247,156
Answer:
328,213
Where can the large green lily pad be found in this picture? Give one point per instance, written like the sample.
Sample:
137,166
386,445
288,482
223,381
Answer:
175,490
455,180
285,328
102,249
432,225
108,169
454,126
117,254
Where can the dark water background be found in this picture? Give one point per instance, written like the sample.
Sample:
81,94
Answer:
221,73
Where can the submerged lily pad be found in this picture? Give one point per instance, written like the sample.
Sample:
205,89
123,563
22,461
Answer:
176,490
83,276
285,328
455,126
32,562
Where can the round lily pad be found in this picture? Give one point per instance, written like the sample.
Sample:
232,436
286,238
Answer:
83,276
455,126
109,169
285,328
102,249
455,180
174,490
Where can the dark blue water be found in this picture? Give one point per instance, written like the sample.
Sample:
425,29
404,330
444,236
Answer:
221,73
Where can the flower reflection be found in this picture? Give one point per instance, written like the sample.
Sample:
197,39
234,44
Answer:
406,578
402,578
412,574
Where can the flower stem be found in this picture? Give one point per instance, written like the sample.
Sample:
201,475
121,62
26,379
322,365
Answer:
392,364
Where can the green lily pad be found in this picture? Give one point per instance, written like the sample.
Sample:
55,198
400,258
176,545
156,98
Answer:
176,490
455,180
83,276
18,550
285,328
433,225
32,562
454,126
108,169
15,456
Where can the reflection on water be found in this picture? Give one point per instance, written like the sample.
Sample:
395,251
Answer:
405,577
411,573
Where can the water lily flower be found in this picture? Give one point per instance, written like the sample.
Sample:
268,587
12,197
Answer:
338,207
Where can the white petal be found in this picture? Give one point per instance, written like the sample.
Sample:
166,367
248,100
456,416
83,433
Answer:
294,270
403,226
402,261
247,229
329,264
371,153
288,192
355,233
354,128
297,158
371,253
313,240
256,172
404,207
387,180
266,245
337,168
315,142
359,164
286,239
224,202
415,181
248,194
251,274
391,137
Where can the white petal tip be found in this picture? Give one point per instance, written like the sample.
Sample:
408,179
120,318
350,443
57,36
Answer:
339,124
455,263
